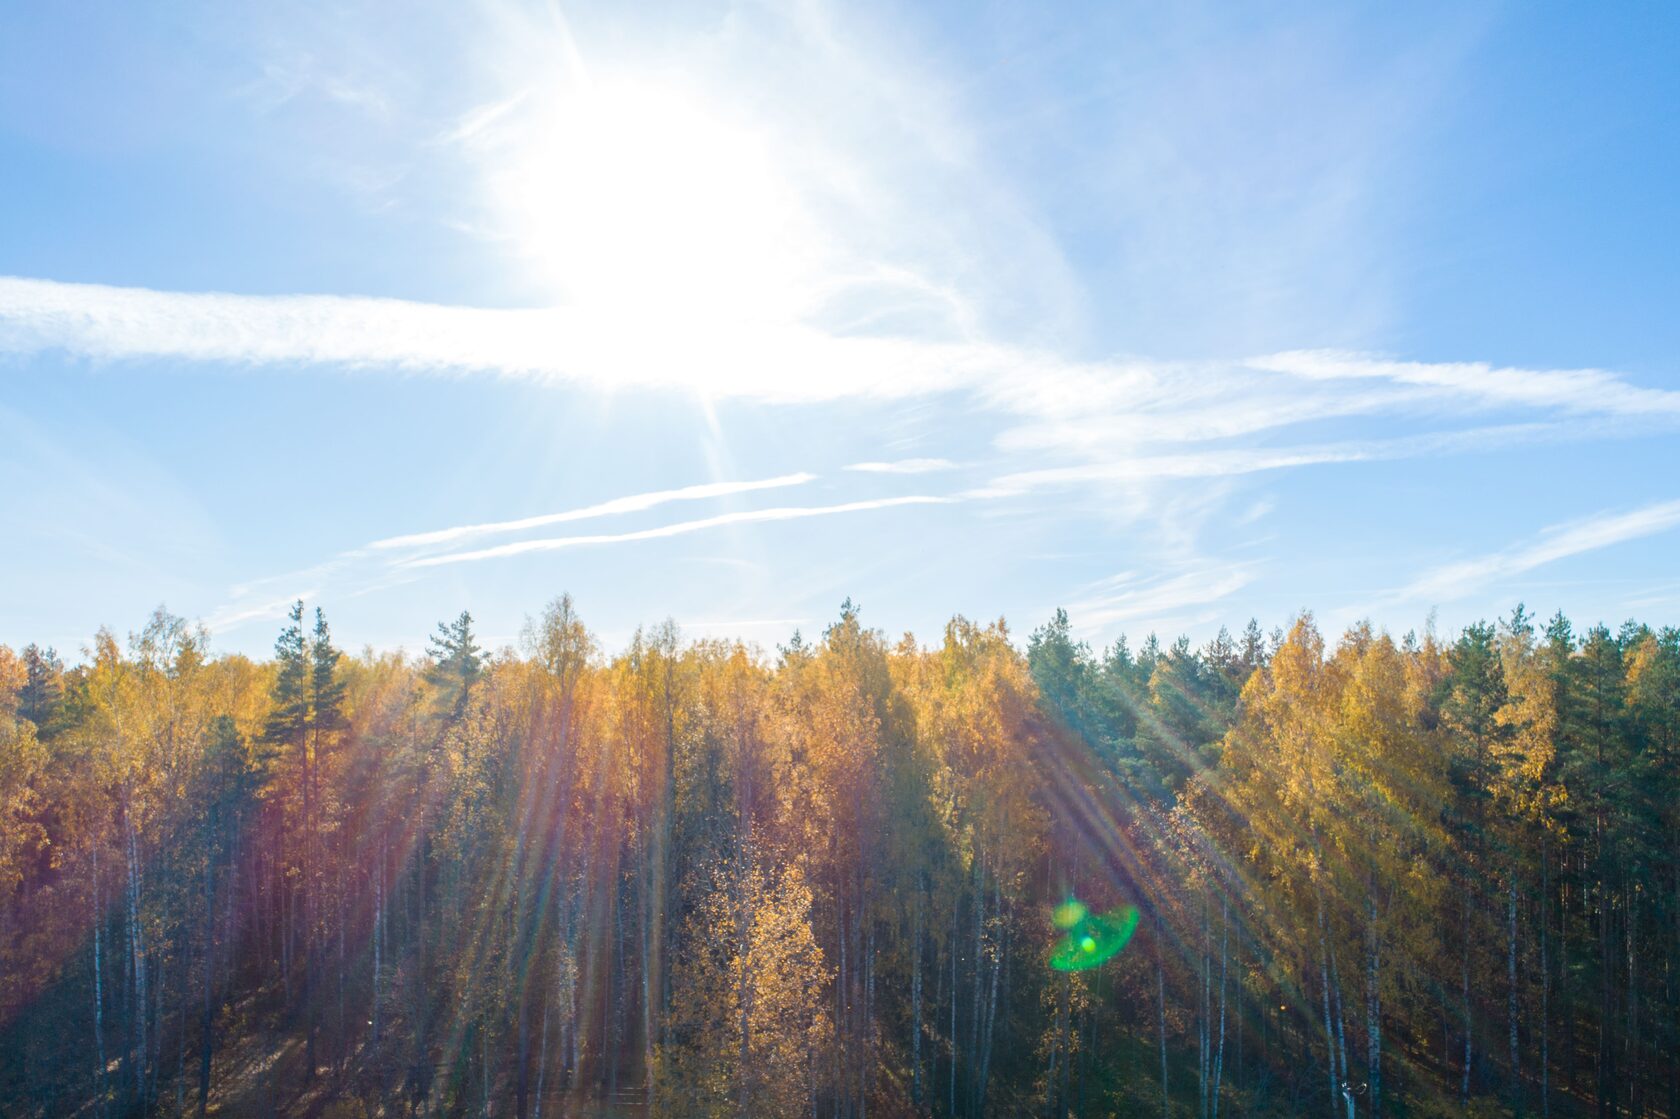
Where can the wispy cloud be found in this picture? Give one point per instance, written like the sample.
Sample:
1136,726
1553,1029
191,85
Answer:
235,614
1224,462
1069,406
635,503
1136,431
390,335
1128,599
681,528
1580,391
1455,581
304,75
385,563
1144,438
1205,464
904,466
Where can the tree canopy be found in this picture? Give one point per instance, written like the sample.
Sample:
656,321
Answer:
1272,876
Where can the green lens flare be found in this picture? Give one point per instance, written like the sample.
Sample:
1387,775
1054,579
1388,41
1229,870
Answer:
1092,939
1068,914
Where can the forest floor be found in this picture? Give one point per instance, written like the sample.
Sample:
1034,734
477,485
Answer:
260,1075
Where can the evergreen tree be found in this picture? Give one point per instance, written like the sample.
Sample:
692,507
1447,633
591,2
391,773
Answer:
43,688
289,710
456,663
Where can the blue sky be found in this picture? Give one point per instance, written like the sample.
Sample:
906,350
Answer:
1172,315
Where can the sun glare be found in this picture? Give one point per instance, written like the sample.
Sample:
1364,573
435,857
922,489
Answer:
633,200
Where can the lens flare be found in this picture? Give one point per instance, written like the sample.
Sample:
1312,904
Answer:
1068,914
1090,939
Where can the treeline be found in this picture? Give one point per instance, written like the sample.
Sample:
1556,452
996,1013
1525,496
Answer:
1403,878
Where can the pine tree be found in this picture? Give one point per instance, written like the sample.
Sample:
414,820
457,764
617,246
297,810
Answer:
456,664
289,711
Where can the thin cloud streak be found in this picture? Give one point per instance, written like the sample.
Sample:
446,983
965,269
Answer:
365,569
233,615
634,503
1228,462
681,528
904,466
1584,391
1457,580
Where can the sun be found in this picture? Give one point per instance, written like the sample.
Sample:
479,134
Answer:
631,198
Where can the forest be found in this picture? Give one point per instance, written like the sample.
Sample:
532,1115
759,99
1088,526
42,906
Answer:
1343,876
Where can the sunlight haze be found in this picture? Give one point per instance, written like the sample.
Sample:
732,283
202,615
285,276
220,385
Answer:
1146,300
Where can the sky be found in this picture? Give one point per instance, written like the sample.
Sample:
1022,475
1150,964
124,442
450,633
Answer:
1168,315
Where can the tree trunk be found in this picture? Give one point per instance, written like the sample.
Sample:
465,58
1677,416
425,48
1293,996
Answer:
310,902
1511,991
987,1008
519,936
916,1000
1373,1007
378,940
1341,1032
845,994
974,1023
743,993
1329,1033
542,1062
867,1048
99,980
1607,1082
343,970
1056,1101
1000,958
1545,981
207,1012
1469,1030
650,988
1566,994
1161,1015
140,1049
1634,1073
951,1100
1204,1015
1219,1056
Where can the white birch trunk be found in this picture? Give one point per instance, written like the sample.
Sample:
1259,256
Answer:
1329,1033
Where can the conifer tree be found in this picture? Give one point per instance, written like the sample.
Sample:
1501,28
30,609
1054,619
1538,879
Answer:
43,688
